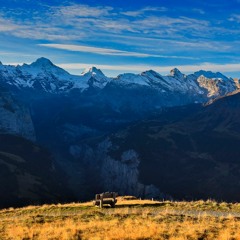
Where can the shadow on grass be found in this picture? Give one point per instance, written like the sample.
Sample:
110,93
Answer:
131,205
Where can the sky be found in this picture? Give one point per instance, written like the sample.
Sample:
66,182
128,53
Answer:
123,36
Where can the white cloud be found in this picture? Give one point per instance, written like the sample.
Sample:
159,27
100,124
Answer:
187,69
165,26
75,22
235,18
168,45
143,11
107,51
81,10
165,69
154,9
7,25
96,50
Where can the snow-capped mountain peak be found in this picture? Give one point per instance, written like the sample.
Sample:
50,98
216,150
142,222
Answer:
43,75
210,74
95,77
93,71
43,67
42,62
216,84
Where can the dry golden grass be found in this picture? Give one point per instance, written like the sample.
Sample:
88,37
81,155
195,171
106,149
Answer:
131,219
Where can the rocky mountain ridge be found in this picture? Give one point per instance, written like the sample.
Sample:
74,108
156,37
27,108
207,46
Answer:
44,75
15,117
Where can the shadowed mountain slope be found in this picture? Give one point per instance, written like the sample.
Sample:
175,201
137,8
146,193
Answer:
192,157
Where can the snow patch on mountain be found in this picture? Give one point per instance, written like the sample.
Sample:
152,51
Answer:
211,75
44,67
130,78
94,77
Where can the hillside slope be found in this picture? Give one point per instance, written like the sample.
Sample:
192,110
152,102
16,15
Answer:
130,220
192,157
28,174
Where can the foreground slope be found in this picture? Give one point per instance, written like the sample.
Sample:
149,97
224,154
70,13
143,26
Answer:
130,220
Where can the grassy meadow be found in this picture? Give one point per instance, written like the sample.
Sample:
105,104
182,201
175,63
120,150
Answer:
130,219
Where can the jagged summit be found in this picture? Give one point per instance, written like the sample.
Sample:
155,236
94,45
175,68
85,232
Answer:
95,77
93,71
210,74
176,73
150,72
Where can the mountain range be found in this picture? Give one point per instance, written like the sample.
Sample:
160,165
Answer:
43,75
148,135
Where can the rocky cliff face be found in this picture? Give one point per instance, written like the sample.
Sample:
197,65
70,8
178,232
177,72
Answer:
237,82
15,117
121,175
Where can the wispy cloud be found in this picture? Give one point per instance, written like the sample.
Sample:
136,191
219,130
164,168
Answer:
235,18
96,50
139,29
7,25
74,21
164,69
142,11
168,45
214,67
81,10
198,10
107,51
171,27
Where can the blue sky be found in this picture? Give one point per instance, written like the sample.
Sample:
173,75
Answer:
123,36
